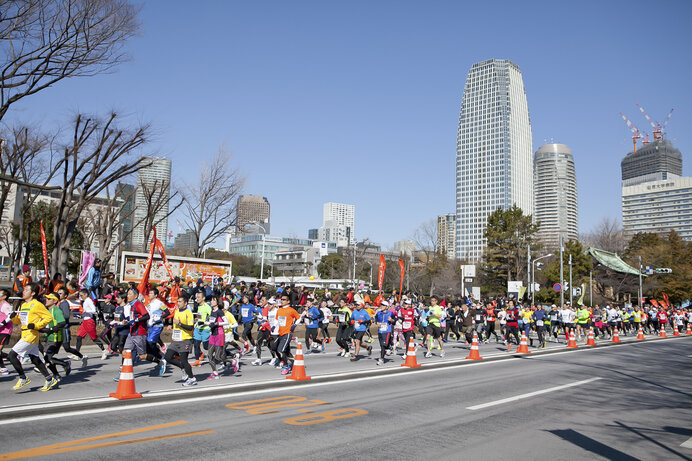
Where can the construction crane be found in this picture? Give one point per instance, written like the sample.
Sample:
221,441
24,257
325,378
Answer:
645,139
633,129
657,127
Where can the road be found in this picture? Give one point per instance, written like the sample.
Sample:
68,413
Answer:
632,401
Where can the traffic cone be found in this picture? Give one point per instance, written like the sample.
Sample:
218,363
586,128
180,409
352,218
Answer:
662,333
474,354
298,372
640,334
616,336
572,344
411,361
689,329
591,341
523,345
126,384
675,331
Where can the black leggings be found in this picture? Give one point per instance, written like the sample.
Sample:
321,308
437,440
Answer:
198,348
311,336
181,362
512,330
262,338
38,363
247,332
79,344
407,338
343,337
66,344
384,343
324,327
51,361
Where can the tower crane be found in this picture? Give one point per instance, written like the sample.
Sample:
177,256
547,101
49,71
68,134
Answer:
633,129
658,129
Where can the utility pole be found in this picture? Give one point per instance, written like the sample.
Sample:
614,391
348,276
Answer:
571,289
591,288
528,271
462,280
641,293
562,277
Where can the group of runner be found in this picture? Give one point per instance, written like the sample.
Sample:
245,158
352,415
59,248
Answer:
217,329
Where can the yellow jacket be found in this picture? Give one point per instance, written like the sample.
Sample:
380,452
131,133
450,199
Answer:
36,313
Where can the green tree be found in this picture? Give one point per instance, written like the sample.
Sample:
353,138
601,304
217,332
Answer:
508,233
331,266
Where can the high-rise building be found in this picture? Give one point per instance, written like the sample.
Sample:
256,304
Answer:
186,242
555,192
494,151
404,247
155,180
253,209
335,215
126,192
656,161
446,235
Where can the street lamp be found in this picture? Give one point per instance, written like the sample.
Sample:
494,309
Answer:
533,277
369,263
264,233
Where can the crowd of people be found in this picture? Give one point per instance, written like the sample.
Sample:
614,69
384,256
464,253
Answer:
217,324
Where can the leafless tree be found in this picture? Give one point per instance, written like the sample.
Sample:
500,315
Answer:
211,204
607,235
154,198
98,154
45,41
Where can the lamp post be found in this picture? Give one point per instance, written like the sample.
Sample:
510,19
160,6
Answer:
264,233
533,276
370,264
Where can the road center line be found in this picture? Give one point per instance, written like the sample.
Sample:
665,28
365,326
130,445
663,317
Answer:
530,394
687,443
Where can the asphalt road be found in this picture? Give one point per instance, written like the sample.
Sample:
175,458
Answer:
628,402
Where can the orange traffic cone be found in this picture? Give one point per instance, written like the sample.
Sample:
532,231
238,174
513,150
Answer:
126,384
616,336
523,345
591,341
640,334
689,329
474,354
298,372
411,361
662,333
675,331
572,344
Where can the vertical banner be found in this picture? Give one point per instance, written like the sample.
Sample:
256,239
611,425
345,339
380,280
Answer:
45,254
87,263
402,266
380,276
162,252
147,268
665,297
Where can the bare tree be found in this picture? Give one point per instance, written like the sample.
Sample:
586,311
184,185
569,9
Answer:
607,235
211,204
45,41
154,198
98,155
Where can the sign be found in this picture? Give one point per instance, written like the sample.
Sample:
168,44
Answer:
468,280
132,267
468,270
557,287
663,270
649,270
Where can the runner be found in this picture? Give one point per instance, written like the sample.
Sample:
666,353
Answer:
6,326
248,315
343,331
286,316
217,344
490,318
384,319
407,315
434,330
539,318
324,323
54,337
202,332
181,345
360,319
312,318
264,330
512,325
32,317
88,326
136,340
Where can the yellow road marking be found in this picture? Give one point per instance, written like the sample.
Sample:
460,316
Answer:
325,417
78,445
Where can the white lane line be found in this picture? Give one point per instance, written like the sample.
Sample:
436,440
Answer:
688,442
530,394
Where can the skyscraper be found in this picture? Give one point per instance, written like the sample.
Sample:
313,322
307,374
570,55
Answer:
152,181
337,223
555,191
656,161
252,209
494,151
447,234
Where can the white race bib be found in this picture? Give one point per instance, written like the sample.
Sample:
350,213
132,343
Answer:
342,318
406,325
282,321
24,317
384,327
539,323
177,335
244,311
308,321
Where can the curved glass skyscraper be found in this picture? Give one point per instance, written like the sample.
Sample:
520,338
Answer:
556,194
494,151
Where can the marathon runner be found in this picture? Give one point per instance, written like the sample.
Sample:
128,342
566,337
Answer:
286,316
54,337
88,326
343,331
384,319
360,319
434,330
181,345
6,326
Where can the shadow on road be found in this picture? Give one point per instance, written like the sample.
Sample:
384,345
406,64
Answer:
594,446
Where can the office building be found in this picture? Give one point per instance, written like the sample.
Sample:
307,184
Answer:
657,161
555,195
153,183
185,242
494,167
658,207
255,245
253,209
405,247
446,235
338,224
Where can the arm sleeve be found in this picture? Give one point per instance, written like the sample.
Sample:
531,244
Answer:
44,318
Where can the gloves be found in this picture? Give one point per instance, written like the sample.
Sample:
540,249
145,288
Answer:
46,330
13,315
30,326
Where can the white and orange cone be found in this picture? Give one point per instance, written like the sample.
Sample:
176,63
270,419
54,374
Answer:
572,344
411,361
616,336
126,384
523,345
591,341
298,372
640,334
474,354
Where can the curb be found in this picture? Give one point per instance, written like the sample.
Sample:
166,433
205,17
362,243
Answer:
47,408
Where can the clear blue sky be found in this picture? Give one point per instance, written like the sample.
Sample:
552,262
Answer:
358,102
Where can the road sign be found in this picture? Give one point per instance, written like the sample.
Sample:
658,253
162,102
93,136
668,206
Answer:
663,270
649,270
468,280
468,270
557,287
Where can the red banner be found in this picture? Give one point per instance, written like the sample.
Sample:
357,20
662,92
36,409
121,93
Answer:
401,284
162,252
380,276
665,297
45,254
147,269
654,302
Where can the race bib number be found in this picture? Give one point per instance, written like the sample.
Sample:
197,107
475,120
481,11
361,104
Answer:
308,321
478,318
406,325
24,317
342,318
539,323
282,321
245,311
384,328
177,335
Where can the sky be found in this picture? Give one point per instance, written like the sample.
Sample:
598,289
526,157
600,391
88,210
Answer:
358,102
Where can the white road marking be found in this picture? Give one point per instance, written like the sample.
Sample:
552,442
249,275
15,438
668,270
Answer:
530,394
688,442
